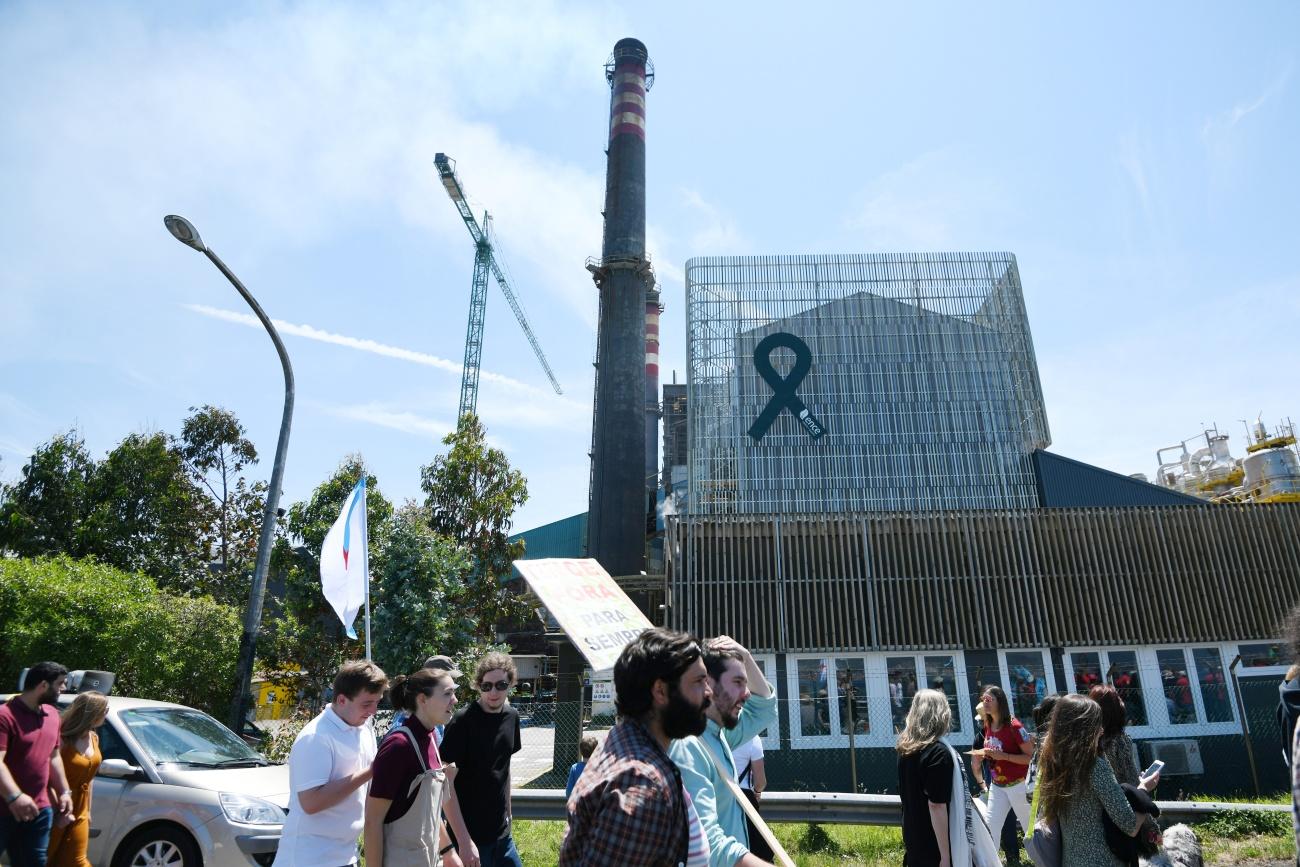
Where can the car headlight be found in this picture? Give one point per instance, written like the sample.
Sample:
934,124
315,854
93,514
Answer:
248,810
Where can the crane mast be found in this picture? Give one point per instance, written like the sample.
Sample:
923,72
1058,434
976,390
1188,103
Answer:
485,263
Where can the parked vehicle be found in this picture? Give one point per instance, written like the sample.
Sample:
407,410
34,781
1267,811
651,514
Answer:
178,788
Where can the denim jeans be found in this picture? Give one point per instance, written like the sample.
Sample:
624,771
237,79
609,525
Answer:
502,853
26,842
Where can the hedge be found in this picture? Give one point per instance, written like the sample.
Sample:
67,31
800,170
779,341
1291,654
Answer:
87,615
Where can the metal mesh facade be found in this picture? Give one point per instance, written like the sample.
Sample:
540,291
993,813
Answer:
922,374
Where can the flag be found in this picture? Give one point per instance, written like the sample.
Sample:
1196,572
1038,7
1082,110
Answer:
344,561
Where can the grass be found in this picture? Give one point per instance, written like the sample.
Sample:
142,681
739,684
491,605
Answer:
1233,837
811,845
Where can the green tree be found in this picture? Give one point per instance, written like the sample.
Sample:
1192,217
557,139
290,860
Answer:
42,511
88,615
421,607
306,634
216,451
471,496
148,515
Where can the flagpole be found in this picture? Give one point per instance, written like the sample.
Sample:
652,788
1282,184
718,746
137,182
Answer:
365,546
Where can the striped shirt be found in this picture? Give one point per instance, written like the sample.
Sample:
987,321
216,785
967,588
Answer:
697,849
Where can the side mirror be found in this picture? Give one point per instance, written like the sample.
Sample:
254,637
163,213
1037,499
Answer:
118,769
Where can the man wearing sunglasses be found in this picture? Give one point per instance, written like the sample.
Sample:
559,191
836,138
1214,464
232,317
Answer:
480,739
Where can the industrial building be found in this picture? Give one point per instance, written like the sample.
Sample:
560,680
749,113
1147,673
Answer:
856,485
920,534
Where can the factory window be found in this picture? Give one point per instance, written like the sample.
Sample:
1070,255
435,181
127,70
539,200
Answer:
1263,656
867,696
1027,678
814,704
1167,691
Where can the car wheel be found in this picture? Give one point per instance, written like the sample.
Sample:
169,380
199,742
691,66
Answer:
159,846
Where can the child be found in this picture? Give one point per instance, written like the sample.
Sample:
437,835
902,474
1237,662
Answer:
586,747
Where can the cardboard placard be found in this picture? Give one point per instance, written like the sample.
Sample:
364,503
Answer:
590,607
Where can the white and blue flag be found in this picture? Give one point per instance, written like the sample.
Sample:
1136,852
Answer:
344,561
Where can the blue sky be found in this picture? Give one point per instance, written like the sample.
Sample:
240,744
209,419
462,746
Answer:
1139,160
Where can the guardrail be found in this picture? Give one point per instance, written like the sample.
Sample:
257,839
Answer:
842,808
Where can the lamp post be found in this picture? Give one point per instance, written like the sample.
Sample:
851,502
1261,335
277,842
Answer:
183,230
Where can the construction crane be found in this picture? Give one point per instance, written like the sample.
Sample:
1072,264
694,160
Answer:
485,260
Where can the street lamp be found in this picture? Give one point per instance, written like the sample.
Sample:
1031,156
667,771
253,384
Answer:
183,230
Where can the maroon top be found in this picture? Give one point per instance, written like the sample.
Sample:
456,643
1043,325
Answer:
396,766
28,738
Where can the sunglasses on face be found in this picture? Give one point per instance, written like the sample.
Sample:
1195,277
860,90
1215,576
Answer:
499,686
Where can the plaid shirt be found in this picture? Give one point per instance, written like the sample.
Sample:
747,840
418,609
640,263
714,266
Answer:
629,806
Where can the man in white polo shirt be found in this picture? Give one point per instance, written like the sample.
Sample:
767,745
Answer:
329,773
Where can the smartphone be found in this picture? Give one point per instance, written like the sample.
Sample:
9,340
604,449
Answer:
1156,767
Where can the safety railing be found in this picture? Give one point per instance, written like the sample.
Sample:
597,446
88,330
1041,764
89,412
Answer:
838,808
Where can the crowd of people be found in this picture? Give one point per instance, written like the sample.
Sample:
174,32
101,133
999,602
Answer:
1089,800
436,789
676,781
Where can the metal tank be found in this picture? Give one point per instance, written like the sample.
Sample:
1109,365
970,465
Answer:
1273,474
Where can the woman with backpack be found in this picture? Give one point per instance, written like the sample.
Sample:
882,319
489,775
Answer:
410,789
1008,748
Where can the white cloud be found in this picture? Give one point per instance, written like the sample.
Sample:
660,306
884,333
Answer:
933,202
360,344
502,400
1225,121
309,116
717,234
386,416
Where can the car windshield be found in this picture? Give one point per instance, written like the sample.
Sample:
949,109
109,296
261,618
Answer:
188,737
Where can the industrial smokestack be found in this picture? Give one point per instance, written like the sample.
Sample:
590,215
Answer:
653,309
616,521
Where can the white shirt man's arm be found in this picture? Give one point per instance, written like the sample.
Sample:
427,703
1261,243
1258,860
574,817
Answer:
309,761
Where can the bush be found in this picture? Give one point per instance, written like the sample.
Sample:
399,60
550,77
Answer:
86,615
1236,824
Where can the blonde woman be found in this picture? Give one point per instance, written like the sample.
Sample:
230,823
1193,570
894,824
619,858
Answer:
940,825
79,748
1077,786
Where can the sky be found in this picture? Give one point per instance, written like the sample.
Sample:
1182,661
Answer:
1138,159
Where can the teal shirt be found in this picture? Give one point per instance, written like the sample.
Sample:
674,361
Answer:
723,819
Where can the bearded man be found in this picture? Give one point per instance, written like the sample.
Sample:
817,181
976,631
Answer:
629,806
32,779
743,705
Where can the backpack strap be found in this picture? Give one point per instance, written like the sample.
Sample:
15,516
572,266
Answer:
410,737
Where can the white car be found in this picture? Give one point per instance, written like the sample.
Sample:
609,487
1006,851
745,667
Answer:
179,789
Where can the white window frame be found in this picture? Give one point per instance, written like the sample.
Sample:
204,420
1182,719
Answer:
1231,651
1159,725
880,718
1048,671
772,740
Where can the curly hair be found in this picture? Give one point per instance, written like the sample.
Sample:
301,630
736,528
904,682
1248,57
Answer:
1065,765
496,661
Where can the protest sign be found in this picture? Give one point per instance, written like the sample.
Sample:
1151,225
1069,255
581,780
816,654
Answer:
590,607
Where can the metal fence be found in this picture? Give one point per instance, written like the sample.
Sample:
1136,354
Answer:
846,744
836,737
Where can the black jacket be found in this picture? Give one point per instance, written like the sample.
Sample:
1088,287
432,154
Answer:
1288,711
1126,848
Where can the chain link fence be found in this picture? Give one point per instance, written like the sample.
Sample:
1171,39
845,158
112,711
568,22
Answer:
837,733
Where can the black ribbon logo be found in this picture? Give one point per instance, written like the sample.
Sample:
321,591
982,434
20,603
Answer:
783,388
